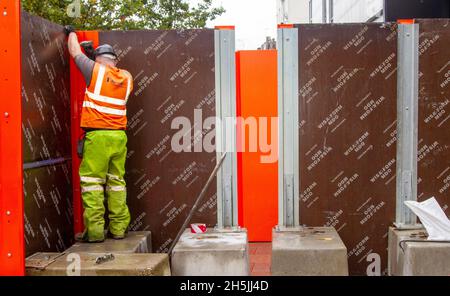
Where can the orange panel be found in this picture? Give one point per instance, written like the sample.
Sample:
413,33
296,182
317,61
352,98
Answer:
285,26
12,250
405,21
224,27
258,181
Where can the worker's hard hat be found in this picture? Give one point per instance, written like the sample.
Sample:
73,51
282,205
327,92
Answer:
105,49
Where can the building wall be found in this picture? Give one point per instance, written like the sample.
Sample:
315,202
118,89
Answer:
316,8
344,11
351,11
293,11
407,9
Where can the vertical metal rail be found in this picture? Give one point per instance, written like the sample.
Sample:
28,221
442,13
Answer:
324,11
12,246
225,73
288,136
407,122
331,11
310,12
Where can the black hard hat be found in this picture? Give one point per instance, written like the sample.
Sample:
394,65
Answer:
105,49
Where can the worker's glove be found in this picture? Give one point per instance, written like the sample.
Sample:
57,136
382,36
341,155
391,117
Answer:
68,29
88,47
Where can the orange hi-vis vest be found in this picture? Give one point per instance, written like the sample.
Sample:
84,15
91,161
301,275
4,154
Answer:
104,105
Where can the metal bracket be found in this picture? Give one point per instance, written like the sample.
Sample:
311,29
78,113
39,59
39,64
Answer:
289,200
104,258
227,211
288,136
407,123
41,263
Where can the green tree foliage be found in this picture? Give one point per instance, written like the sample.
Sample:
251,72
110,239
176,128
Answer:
125,14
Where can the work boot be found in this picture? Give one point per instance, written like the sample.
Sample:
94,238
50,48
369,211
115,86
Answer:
83,238
116,236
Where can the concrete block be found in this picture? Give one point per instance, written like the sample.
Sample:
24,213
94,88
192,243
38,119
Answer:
214,253
395,255
421,258
63,264
134,242
300,251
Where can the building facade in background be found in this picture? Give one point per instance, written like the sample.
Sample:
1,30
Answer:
329,11
292,11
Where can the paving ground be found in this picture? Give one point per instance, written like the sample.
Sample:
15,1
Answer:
260,258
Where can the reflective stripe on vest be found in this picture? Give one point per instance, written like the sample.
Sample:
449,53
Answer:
100,78
103,109
104,99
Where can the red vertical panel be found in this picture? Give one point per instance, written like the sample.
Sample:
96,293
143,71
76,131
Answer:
239,141
257,181
12,252
77,89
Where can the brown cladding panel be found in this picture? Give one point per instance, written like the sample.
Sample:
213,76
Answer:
434,111
347,134
48,209
45,90
173,74
46,135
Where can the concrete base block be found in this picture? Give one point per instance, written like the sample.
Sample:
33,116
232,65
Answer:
84,264
131,257
420,258
134,242
214,253
300,251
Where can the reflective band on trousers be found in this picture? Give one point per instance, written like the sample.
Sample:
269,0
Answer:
92,180
91,188
115,188
114,177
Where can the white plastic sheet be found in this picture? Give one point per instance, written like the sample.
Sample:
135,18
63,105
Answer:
432,217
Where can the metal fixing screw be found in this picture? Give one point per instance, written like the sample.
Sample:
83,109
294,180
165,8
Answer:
9,255
6,114
8,213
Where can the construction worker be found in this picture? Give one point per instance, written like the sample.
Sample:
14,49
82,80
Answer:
104,120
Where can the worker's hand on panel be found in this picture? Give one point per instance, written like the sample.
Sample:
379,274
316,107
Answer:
68,29
89,50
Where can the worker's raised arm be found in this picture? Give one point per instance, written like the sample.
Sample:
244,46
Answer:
73,44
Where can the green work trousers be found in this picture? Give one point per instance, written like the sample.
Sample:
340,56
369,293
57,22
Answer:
102,173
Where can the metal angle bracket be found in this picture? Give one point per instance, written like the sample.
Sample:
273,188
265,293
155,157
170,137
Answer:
288,118
289,200
225,77
407,123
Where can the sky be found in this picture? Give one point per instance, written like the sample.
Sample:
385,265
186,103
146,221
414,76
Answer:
253,19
